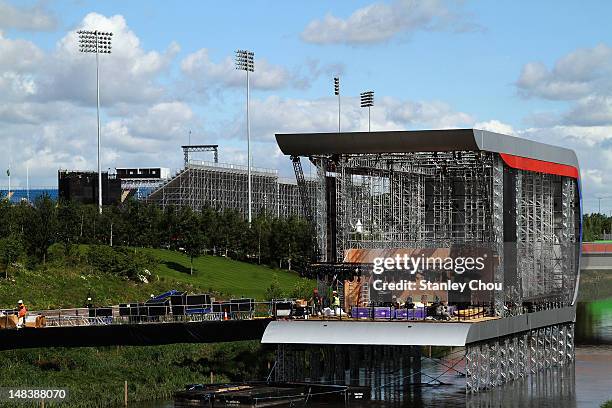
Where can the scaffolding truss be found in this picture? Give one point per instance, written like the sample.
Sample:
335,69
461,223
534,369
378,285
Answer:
388,371
504,359
403,199
454,198
225,186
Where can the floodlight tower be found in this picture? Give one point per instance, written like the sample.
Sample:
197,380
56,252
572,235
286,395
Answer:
245,61
98,42
337,93
367,101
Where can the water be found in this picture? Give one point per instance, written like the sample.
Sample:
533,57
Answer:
587,383
594,322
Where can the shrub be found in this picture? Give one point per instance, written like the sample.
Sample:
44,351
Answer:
274,291
302,289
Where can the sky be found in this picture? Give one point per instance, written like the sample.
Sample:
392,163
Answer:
539,70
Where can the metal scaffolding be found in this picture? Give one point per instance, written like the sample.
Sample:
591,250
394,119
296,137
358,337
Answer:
388,371
504,359
225,186
402,199
446,199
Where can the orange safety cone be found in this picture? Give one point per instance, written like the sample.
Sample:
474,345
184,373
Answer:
225,317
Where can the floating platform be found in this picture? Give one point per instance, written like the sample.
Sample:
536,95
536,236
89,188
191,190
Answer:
265,394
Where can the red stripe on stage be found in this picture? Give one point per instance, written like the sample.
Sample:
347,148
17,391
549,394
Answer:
540,166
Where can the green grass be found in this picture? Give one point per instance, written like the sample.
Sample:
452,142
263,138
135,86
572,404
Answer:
56,285
222,275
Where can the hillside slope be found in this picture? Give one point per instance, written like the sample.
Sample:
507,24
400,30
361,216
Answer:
57,285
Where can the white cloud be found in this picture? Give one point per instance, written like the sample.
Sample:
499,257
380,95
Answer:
199,66
277,115
34,18
208,75
47,102
19,55
380,22
496,126
578,74
432,114
595,110
130,74
593,146
152,130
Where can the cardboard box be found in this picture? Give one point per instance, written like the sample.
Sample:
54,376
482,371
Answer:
35,321
8,322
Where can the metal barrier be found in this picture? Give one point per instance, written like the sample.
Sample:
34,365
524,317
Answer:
242,309
248,309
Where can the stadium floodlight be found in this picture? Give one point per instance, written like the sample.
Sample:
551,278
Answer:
367,101
245,61
98,42
337,93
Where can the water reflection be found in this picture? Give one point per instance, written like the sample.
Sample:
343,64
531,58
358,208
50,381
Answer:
585,384
594,322
552,388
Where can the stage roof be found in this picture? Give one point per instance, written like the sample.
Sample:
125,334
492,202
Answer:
306,144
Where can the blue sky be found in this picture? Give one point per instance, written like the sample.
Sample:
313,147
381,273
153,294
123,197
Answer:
539,70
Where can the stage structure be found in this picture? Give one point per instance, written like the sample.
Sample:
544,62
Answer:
225,186
448,192
200,148
82,186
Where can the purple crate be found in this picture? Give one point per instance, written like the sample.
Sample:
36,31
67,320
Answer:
401,314
417,313
410,314
382,312
360,312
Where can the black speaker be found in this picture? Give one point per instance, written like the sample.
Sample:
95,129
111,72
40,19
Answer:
101,312
243,305
177,303
124,309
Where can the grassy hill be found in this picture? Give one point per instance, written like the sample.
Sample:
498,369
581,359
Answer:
221,275
58,285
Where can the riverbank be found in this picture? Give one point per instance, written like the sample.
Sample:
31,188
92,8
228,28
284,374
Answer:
95,376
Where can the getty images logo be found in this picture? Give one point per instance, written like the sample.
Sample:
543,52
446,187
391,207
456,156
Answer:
412,264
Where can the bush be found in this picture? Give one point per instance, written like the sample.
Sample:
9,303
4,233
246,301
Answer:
274,291
302,289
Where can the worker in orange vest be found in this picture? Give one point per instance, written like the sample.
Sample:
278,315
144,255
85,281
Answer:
21,313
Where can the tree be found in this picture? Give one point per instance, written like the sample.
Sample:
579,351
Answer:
274,291
259,238
41,230
193,239
11,250
68,221
209,225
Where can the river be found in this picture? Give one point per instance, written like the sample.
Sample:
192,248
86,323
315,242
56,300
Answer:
587,383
